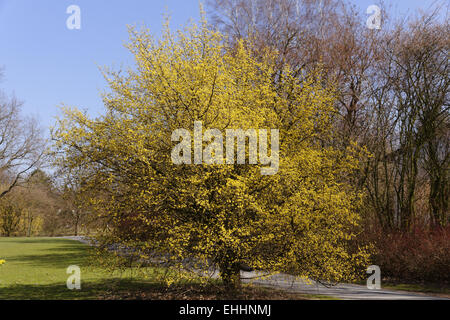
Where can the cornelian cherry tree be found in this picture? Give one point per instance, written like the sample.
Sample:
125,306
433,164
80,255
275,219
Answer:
301,219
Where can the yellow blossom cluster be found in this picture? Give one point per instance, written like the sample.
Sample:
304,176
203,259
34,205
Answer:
301,220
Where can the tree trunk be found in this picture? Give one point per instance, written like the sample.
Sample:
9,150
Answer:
77,221
231,276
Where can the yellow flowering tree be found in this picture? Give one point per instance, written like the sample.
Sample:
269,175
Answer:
299,220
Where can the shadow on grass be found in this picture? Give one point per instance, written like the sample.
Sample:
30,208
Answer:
88,291
128,289
58,257
56,241
111,289
54,260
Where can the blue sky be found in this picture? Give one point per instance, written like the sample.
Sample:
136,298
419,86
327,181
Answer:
46,64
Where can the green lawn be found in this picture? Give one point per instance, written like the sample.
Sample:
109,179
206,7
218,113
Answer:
35,268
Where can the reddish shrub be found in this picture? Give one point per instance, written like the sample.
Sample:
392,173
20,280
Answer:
417,256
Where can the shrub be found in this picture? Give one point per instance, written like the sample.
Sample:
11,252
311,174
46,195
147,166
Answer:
421,255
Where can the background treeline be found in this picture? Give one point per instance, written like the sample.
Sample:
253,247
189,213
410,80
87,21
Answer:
393,93
41,206
33,200
393,101
393,86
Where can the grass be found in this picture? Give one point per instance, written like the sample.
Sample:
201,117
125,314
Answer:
438,290
35,269
442,291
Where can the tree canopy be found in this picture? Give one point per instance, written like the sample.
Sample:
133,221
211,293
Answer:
300,220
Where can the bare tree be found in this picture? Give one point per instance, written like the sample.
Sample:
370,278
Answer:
410,128
421,85
74,204
21,145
